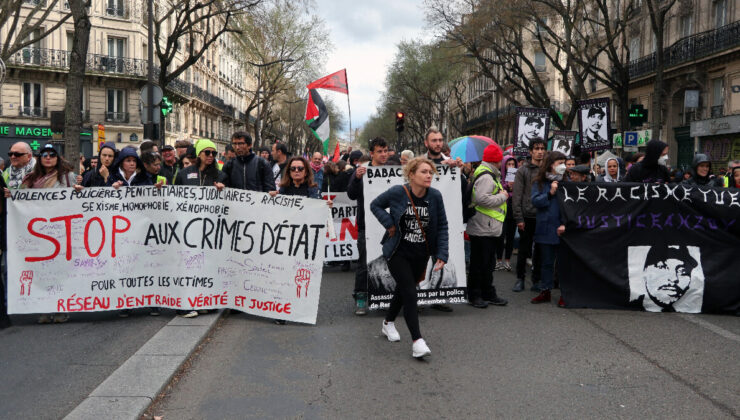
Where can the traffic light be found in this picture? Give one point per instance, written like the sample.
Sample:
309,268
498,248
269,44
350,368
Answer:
400,116
165,106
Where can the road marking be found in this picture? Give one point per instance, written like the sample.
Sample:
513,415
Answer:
711,327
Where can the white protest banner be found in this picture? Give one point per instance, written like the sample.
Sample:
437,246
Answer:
445,286
343,213
176,247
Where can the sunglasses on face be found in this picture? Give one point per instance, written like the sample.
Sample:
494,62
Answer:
210,153
16,154
49,155
296,168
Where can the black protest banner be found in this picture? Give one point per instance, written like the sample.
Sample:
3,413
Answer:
658,247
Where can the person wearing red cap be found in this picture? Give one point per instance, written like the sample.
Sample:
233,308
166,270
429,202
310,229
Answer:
489,199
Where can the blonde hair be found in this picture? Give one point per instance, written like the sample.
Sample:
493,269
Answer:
413,165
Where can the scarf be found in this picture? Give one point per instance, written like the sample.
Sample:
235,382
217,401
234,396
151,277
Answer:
316,167
15,176
46,181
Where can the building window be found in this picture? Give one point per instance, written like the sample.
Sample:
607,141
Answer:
592,81
32,100
720,13
115,8
635,48
116,54
540,25
116,106
540,61
718,97
32,53
687,25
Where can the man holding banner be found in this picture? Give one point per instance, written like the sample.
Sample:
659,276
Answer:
378,155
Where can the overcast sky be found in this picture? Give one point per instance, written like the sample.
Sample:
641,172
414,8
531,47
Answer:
365,38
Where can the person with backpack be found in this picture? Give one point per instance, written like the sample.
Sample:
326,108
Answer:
488,202
247,171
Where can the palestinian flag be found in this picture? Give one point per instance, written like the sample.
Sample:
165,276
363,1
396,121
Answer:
317,118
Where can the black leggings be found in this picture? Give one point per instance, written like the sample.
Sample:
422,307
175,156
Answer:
506,240
406,273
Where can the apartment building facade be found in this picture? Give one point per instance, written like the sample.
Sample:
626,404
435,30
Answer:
701,108
209,97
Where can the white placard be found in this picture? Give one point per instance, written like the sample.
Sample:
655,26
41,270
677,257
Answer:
177,247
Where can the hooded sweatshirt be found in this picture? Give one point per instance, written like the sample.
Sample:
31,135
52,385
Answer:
93,178
648,170
141,177
709,180
608,178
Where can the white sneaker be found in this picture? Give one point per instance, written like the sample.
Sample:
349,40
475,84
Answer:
389,330
420,348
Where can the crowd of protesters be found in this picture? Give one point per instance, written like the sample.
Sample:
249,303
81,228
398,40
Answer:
509,195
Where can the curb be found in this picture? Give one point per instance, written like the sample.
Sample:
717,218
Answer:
128,392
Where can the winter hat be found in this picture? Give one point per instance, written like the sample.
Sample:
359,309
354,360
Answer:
492,153
203,144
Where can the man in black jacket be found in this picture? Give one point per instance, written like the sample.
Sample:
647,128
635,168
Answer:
247,171
379,156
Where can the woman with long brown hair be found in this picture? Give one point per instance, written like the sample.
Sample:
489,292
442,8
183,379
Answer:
549,227
298,179
51,171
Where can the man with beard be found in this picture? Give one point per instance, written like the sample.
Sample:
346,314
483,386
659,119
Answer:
99,177
594,121
434,143
247,171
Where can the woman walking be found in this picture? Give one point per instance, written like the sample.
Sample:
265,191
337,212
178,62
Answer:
549,227
416,230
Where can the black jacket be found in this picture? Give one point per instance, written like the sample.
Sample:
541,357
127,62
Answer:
355,192
192,176
249,172
648,170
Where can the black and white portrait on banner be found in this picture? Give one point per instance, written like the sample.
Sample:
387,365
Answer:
563,141
531,123
444,286
666,278
594,122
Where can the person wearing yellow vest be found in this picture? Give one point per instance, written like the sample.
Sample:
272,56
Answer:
485,226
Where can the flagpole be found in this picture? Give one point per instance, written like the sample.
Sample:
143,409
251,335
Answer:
349,109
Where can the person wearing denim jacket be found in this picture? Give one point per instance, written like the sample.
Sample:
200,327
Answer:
416,229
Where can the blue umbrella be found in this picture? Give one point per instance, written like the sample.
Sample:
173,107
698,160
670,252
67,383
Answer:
469,148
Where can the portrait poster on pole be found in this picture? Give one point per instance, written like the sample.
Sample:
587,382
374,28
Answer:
531,123
594,123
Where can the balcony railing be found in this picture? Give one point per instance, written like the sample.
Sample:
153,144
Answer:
207,97
35,3
229,111
98,63
60,59
489,116
32,111
116,117
690,48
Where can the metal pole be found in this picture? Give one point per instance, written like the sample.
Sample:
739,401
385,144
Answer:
150,75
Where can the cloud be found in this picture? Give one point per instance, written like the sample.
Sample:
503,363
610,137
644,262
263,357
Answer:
365,38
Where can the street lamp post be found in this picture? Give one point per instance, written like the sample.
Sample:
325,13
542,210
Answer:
259,81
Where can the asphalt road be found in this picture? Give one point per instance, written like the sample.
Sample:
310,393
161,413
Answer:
47,370
518,361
